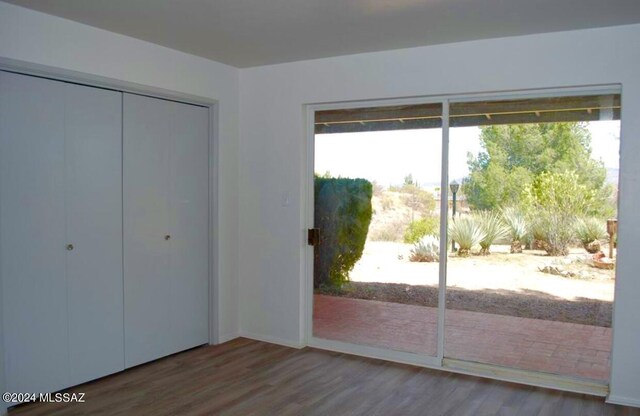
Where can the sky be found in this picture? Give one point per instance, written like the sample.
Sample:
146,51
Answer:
388,156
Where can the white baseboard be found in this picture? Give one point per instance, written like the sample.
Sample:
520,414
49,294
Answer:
271,340
624,401
227,337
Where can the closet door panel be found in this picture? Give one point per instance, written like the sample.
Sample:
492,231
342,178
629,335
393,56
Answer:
166,228
94,226
189,225
146,153
32,233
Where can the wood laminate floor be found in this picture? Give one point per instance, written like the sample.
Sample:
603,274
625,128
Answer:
245,377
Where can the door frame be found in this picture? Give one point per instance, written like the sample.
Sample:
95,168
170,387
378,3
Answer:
97,81
439,361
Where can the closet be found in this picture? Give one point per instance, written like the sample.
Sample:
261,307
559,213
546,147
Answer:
104,207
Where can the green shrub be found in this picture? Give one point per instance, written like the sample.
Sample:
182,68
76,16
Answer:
420,228
467,233
556,231
517,227
426,250
343,214
590,231
553,202
492,227
561,191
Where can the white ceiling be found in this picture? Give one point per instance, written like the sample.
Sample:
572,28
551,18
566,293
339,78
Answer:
247,33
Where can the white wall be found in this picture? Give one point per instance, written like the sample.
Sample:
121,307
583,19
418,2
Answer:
43,39
272,155
3,405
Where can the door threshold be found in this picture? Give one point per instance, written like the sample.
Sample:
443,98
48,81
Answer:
531,378
511,375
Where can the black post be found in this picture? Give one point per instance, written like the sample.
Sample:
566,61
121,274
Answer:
454,186
453,243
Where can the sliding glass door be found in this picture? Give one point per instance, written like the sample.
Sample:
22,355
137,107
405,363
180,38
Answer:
505,260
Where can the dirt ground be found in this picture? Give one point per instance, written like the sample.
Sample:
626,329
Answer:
388,262
501,283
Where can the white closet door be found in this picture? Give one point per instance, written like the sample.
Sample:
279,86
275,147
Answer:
165,219
189,226
32,233
146,146
94,227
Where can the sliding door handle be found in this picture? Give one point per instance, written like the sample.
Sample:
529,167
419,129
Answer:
313,236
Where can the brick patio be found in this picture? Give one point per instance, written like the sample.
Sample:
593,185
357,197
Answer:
530,344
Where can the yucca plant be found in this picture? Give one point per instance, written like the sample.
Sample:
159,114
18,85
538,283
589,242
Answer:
467,233
517,227
427,249
493,229
590,231
557,231
537,233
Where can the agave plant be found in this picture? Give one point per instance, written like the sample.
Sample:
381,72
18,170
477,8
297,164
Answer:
517,227
467,233
590,231
427,249
493,229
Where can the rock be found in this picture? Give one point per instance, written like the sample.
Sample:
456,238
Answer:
593,247
557,271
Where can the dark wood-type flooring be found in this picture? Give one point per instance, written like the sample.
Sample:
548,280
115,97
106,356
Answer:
245,377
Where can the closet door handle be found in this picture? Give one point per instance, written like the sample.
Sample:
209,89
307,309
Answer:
167,237
69,247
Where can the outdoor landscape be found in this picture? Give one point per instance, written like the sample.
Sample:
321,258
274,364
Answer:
530,236
533,238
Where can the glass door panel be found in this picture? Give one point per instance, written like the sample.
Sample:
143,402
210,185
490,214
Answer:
530,276
377,215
